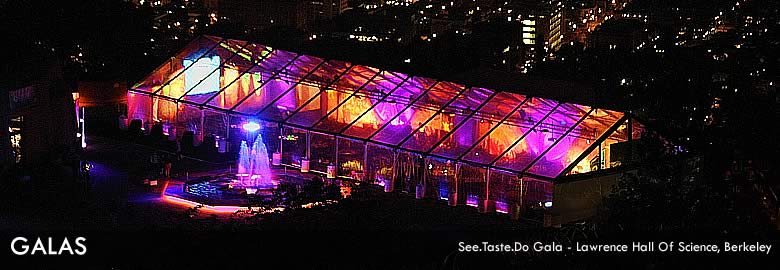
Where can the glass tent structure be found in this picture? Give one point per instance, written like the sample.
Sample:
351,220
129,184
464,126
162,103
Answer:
469,145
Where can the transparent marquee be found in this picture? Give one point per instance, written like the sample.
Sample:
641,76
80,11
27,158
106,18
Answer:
367,120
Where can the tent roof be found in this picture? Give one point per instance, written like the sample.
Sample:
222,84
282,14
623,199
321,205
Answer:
508,117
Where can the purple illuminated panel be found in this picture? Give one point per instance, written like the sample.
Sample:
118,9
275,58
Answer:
256,88
364,108
303,91
472,200
502,207
572,145
445,121
550,130
476,126
508,132
356,89
387,110
422,110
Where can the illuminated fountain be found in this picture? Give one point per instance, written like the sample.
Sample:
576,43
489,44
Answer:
254,171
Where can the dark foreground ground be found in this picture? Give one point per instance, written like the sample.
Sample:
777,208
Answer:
129,227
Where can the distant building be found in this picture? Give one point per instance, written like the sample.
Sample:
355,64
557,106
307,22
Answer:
38,115
542,23
262,14
542,29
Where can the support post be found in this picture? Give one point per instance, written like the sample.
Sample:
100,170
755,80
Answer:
390,184
487,205
365,163
422,186
306,162
516,209
453,195
337,157
227,129
308,144
202,131
277,156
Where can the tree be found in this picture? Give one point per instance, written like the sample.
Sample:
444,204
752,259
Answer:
669,192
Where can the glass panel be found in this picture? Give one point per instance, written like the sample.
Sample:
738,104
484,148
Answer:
189,126
413,117
215,127
355,78
410,172
203,77
323,152
380,164
304,92
351,158
259,97
442,123
327,100
637,130
350,109
236,133
508,132
476,126
139,106
602,156
550,130
232,76
172,67
356,106
440,177
293,146
386,110
386,82
328,72
536,192
276,61
473,180
568,148
504,190
339,105
591,162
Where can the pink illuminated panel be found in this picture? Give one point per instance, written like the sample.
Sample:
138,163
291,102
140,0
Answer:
259,91
413,117
384,111
508,132
359,108
539,139
443,122
473,128
568,148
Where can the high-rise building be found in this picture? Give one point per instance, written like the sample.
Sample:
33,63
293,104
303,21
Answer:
542,30
542,24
